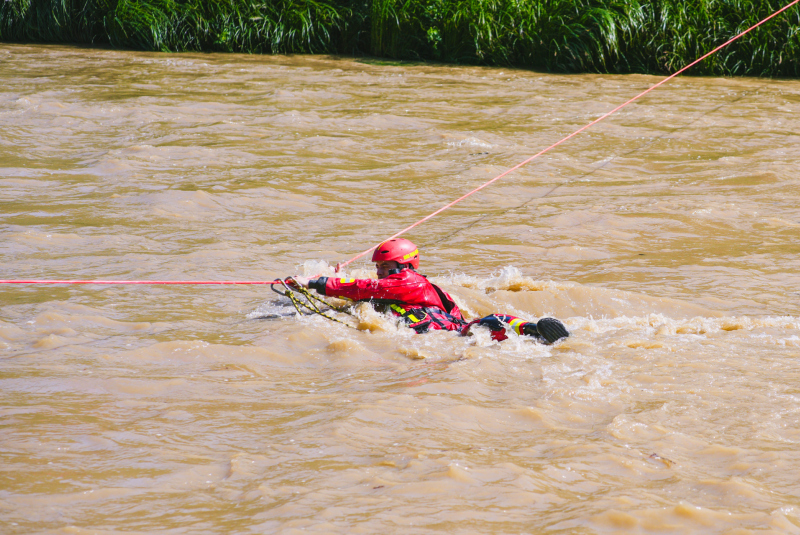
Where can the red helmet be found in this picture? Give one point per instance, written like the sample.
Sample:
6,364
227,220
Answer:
400,250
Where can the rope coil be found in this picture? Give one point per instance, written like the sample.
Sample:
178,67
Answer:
309,303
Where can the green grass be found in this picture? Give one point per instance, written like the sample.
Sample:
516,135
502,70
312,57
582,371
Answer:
179,25
658,36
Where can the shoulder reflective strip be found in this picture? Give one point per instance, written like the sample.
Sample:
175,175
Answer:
516,324
345,281
398,309
412,254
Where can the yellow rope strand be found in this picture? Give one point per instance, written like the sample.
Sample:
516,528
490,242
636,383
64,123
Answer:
311,306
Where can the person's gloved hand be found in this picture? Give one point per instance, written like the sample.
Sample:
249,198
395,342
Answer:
298,280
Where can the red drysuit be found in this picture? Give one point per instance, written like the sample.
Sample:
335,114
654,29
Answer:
425,306
410,295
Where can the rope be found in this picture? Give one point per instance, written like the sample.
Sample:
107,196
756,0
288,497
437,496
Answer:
134,282
575,133
592,171
309,303
453,203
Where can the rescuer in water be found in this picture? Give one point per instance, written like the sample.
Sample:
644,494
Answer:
423,305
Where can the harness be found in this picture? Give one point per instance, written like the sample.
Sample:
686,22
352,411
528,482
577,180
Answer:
420,319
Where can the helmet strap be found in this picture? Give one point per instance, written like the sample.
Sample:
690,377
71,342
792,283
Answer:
400,267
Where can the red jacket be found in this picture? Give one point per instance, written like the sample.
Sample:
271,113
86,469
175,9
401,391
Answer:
409,295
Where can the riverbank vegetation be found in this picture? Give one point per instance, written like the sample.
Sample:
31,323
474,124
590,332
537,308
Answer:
657,36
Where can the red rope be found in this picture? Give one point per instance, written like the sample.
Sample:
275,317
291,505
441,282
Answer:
135,282
575,133
445,207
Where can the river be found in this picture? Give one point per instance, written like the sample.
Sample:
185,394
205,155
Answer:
666,238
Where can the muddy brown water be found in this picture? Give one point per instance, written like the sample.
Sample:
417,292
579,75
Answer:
666,238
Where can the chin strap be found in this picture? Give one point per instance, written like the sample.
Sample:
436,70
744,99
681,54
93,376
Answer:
401,268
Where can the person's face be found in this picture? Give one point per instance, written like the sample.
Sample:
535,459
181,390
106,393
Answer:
384,266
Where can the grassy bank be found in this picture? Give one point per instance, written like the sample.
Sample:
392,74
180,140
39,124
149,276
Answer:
658,36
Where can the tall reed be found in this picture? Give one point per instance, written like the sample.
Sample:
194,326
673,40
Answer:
656,36
283,26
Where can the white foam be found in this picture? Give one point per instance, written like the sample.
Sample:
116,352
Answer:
470,142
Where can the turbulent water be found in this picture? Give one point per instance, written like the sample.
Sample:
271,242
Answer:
666,238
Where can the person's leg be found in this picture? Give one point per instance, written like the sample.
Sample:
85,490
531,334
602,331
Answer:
549,329
519,325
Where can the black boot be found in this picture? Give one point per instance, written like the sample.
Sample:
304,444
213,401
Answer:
550,329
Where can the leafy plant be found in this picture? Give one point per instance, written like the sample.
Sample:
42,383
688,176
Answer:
657,36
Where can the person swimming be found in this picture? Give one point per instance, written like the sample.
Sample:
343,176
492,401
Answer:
403,292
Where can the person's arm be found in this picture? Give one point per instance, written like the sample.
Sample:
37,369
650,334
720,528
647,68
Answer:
389,289
306,282
392,288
